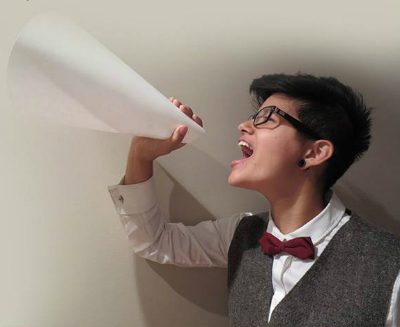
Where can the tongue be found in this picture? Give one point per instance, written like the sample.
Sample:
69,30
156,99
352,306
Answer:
247,152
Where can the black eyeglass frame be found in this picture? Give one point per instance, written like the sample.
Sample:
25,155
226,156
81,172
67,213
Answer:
293,121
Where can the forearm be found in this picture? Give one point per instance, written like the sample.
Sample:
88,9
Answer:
164,242
137,170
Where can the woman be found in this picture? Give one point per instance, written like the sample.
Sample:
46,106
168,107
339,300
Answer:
309,261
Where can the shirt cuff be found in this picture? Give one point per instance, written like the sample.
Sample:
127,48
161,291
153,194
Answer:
133,198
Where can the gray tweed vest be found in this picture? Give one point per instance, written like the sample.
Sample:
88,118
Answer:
350,284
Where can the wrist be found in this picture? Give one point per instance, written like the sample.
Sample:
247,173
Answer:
138,170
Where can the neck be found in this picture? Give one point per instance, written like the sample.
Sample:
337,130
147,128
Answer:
290,212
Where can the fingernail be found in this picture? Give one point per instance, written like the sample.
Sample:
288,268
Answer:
182,130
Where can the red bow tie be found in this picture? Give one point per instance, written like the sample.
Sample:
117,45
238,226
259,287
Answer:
300,247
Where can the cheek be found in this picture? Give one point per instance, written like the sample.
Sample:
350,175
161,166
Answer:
282,153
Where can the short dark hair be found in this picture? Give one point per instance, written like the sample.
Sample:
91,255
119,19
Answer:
333,110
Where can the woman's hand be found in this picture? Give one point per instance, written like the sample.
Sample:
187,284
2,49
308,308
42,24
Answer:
147,149
144,150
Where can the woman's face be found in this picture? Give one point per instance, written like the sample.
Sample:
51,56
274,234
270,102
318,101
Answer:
272,167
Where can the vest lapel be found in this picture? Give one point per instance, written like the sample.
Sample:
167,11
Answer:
249,275
250,299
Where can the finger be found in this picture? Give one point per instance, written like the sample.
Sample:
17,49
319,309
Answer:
197,119
187,110
176,102
179,134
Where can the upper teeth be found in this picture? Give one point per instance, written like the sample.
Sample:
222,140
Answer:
244,143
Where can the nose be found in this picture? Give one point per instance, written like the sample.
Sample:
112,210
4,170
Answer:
246,126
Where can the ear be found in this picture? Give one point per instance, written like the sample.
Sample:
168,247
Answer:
318,152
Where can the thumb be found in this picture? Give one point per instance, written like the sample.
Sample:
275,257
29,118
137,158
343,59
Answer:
179,134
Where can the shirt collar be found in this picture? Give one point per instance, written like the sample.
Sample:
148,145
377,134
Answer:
318,227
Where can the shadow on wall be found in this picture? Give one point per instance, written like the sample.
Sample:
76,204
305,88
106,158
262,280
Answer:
362,204
205,288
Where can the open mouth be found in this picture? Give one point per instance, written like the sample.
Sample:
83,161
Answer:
247,152
247,149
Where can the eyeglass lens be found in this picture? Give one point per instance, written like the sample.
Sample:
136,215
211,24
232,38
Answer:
262,116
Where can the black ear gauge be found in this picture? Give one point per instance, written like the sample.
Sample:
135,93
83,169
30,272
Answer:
301,163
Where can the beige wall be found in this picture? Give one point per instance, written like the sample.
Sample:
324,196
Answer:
65,260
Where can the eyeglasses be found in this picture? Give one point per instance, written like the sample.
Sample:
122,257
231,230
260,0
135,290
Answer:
264,115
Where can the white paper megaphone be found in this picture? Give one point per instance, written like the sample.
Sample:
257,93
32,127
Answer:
60,72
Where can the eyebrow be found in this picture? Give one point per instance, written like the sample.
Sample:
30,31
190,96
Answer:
266,107
271,107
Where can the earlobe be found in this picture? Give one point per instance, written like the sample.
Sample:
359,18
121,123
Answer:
301,163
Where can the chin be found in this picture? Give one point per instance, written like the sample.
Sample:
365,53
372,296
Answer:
233,181
238,182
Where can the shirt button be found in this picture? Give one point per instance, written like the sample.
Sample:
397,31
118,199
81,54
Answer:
121,198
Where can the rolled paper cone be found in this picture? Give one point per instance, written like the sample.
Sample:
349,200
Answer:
59,72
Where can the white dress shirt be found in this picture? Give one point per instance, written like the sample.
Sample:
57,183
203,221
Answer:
207,243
